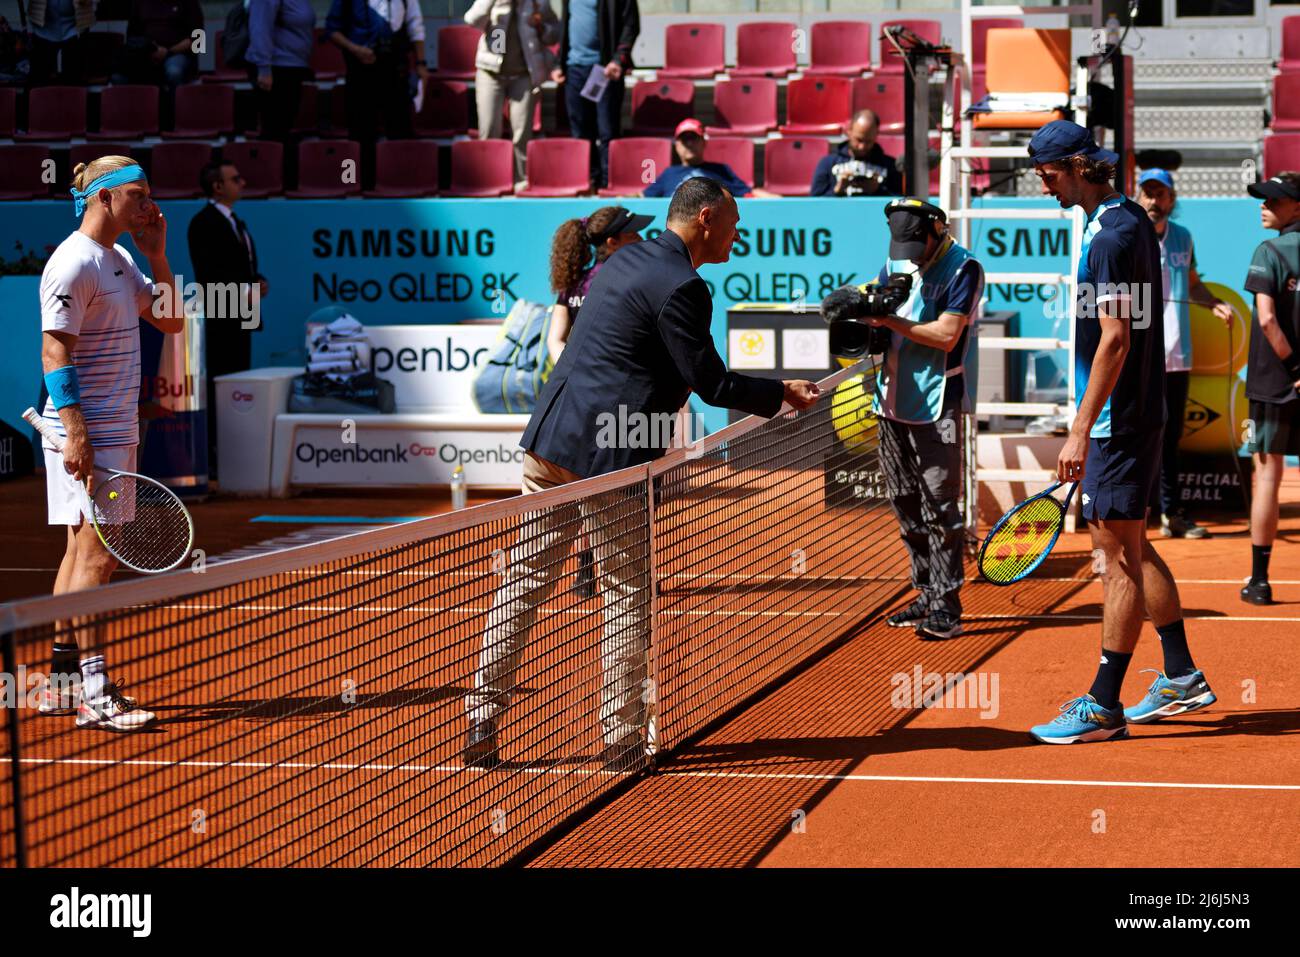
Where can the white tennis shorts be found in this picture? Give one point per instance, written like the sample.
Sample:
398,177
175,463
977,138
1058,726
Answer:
63,493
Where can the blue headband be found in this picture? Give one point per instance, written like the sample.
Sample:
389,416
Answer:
127,174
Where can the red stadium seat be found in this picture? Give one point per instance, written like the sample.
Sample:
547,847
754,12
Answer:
8,110
817,104
203,111
405,169
1286,103
1290,60
444,112
174,169
327,169
790,164
736,151
87,152
482,168
558,167
457,47
764,49
55,113
1281,153
693,50
21,172
327,59
841,47
659,105
890,62
884,96
628,159
308,118
223,73
127,113
261,163
745,106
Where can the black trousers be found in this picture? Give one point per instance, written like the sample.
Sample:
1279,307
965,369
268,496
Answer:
44,60
1175,411
382,88
227,348
278,108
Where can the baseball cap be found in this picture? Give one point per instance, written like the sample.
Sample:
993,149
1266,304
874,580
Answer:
689,126
625,222
1061,139
1158,176
910,226
1274,188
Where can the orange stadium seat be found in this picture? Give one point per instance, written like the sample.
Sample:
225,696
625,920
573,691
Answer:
261,163
1025,61
20,172
841,47
405,169
327,169
817,104
559,166
979,29
693,50
55,113
482,168
736,151
764,49
745,106
127,113
203,111
883,95
890,62
627,164
457,46
174,169
659,105
790,164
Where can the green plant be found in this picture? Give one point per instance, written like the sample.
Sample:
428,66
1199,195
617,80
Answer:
28,262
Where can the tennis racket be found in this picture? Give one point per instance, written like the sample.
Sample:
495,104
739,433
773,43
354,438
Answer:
140,521
1024,536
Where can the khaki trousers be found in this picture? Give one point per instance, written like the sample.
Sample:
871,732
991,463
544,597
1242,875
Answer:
491,92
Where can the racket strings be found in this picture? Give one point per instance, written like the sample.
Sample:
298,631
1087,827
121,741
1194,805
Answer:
1021,540
142,523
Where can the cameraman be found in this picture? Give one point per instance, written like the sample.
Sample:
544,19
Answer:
926,381
858,166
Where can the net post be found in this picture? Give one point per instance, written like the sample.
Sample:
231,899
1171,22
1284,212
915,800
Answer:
9,659
652,654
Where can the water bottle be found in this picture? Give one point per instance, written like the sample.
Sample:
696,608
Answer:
459,490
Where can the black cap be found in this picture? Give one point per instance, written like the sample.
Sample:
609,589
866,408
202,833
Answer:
625,221
1275,188
910,226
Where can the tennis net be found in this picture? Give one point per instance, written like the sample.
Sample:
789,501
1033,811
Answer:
313,703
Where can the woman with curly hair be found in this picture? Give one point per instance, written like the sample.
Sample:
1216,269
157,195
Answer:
579,249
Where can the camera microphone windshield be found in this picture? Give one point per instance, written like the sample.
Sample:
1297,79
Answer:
846,308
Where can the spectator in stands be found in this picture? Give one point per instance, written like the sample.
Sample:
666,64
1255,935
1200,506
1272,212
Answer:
280,38
511,64
159,46
596,32
688,142
222,251
57,29
377,38
1182,287
1273,367
858,167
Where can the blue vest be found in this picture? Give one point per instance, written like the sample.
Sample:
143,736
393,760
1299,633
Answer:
1176,263
910,387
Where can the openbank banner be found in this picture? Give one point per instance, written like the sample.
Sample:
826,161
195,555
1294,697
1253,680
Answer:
432,368
397,262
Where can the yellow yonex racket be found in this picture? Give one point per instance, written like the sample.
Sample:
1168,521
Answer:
1024,536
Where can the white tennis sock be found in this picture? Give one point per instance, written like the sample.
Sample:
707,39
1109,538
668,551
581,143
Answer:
94,675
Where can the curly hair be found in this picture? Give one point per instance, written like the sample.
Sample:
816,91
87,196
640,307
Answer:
572,247
1091,170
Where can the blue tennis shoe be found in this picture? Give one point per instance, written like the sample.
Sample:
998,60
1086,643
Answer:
1170,696
1082,719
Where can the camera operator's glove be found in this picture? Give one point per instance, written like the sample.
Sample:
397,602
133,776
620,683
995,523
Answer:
847,302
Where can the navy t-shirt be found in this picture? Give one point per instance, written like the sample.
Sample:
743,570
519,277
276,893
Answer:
674,176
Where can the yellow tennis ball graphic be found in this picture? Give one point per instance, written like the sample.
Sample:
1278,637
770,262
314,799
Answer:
852,415
1210,337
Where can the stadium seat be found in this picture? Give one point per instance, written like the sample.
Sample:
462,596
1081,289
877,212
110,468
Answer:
223,73
1025,61
764,49
790,164
307,119
736,151
327,59
1281,152
405,169
8,110
890,61
1286,103
97,51
627,164
559,166
979,47
841,47
659,105
457,47
127,113
444,112
817,105
693,50
55,113
174,169
203,111
21,169
482,168
86,152
327,169
884,96
745,106
1290,61
261,163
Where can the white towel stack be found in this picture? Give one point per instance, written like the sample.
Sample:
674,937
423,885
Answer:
340,350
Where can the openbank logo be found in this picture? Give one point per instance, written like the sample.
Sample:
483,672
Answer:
76,910
242,401
401,453
450,358
626,429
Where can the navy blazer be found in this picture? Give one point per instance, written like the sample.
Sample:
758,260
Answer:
642,343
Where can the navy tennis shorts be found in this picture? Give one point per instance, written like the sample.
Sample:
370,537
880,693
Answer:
1120,476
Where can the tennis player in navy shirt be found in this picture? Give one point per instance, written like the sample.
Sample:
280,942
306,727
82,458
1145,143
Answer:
1113,448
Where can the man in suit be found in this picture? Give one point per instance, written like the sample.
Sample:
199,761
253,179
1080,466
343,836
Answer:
642,347
222,251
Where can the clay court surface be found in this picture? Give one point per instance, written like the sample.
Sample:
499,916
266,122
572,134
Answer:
828,769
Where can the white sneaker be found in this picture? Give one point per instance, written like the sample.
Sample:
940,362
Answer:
63,699
112,711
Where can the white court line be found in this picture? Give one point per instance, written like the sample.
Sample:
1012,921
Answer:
1193,785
